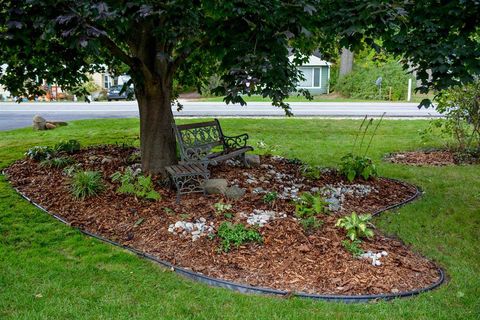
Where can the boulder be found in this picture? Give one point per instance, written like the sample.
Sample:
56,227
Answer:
39,123
234,192
253,160
215,186
50,126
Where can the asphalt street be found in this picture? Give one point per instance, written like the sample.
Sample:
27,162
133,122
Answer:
14,115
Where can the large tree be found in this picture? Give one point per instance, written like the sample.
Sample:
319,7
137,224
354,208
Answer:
164,45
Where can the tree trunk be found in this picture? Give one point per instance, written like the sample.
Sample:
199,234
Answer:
157,140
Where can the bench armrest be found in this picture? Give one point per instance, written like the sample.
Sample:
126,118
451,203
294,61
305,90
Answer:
235,142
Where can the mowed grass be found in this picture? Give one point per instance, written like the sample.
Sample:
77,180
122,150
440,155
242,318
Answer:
50,271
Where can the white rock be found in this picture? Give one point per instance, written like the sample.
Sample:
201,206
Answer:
384,253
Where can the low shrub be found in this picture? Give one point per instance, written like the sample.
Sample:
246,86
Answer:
138,185
57,162
460,107
40,153
87,184
360,83
236,235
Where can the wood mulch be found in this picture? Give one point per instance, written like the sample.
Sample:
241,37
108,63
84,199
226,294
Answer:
432,158
289,259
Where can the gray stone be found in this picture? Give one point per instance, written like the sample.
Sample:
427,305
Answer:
234,192
50,126
215,186
39,123
253,160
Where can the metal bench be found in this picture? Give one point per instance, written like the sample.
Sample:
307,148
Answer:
204,142
188,178
198,144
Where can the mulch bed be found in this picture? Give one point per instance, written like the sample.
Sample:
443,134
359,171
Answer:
289,259
432,158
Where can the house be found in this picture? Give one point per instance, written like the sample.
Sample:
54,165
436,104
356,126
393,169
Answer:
106,81
317,75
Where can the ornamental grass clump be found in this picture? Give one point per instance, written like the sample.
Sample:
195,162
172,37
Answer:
86,184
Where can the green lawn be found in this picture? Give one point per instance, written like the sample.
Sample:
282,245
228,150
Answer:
49,271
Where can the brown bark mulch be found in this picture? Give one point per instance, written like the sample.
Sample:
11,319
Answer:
288,259
432,158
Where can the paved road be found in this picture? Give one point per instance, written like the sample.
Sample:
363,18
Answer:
13,115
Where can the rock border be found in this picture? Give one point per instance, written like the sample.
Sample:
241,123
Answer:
247,289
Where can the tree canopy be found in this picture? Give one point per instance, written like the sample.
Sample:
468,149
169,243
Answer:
164,44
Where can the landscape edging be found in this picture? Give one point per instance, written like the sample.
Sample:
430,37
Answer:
259,290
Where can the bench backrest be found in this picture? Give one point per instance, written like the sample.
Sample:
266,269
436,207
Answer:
196,140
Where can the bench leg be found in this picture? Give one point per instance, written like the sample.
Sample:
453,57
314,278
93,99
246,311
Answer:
244,160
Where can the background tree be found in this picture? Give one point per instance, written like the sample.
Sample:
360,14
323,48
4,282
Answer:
245,42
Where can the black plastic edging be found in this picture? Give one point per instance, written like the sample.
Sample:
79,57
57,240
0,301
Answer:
259,290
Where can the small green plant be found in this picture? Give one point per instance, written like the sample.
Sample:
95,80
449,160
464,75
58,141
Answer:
236,235
356,226
70,170
57,162
223,208
309,205
70,146
353,247
138,185
355,165
87,184
310,172
40,153
270,197
307,208
311,223
266,149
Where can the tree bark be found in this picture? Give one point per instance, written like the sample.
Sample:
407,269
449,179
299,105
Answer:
157,140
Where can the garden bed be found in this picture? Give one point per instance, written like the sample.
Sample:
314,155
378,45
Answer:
289,258
433,158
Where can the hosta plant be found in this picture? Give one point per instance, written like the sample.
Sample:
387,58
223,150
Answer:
353,167
356,226
40,153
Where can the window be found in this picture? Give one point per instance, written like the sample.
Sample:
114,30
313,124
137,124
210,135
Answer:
312,77
316,77
307,74
106,81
